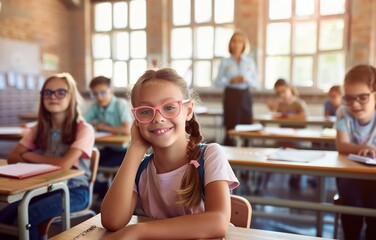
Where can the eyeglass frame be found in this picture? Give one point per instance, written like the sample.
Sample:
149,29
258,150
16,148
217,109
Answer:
54,93
158,108
350,100
101,93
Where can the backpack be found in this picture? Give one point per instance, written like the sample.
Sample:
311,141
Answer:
200,169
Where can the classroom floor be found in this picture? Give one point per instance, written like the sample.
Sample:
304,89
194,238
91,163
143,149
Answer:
290,220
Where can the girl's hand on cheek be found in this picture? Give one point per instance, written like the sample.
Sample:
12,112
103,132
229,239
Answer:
136,137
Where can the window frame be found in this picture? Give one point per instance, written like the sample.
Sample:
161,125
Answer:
215,60
316,18
112,35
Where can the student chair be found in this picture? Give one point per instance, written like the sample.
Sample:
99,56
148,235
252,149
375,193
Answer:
94,161
241,211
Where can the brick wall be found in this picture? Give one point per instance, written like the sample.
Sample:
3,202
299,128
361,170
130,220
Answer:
43,22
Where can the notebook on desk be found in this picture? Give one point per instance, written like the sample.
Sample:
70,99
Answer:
362,159
25,170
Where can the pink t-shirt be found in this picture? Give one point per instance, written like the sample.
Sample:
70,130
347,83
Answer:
84,142
157,191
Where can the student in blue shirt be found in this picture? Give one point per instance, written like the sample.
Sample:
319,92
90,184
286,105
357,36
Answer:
237,74
356,133
108,114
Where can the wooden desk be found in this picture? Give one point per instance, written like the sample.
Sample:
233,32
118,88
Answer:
92,229
331,165
28,117
12,190
308,121
16,133
308,135
113,141
12,133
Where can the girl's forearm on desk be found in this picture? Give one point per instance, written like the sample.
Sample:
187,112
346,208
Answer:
120,201
207,225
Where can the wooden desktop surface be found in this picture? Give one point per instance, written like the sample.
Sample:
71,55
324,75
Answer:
331,164
11,186
302,121
16,133
309,135
92,229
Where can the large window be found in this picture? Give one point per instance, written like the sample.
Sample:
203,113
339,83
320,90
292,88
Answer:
305,42
199,34
119,44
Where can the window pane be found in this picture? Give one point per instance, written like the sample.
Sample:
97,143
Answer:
203,11
277,67
204,42
138,44
331,34
181,43
302,71
305,37
202,76
224,11
331,70
280,31
279,9
121,46
120,15
120,78
101,46
328,7
103,67
137,14
136,69
222,39
181,12
305,7
102,20
184,69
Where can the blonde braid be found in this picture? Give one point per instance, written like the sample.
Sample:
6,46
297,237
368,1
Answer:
190,190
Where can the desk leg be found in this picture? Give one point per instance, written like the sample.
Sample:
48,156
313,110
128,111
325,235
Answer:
322,187
23,213
239,141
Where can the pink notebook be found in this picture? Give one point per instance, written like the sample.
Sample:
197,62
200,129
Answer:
25,170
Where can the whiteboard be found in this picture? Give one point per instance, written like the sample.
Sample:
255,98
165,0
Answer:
19,56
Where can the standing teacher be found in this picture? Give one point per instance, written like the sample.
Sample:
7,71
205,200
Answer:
237,74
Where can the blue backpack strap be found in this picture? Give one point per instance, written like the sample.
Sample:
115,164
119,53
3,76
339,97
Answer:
201,171
141,168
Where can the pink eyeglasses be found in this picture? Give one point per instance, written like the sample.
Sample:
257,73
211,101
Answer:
169,110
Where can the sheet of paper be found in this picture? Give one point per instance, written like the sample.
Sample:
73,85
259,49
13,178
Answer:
249,127
279,131
296,155
102,134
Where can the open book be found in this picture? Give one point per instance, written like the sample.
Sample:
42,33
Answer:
362,159
25,170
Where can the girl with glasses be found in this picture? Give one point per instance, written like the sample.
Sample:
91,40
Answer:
356,133
61,137
169,188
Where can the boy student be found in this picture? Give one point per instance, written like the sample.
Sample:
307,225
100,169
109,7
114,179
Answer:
108,114
333,102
